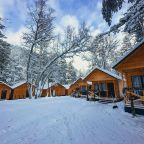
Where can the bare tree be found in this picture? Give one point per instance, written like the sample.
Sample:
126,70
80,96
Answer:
72,44
40,33
103,51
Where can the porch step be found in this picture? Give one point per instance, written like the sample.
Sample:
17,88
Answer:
138,109
105,101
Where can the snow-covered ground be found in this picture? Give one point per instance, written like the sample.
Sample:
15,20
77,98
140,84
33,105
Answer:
66,120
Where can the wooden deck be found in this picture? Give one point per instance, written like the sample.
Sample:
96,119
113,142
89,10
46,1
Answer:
139,109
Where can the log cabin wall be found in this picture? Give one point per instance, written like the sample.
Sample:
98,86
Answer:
20,92
5,91
72,88
44,93
133,72
97,77
58,90
77,85
132,62
132,65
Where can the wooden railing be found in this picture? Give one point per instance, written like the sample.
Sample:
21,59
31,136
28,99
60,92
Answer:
131,95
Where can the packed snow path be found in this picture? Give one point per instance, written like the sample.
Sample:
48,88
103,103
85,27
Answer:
66,120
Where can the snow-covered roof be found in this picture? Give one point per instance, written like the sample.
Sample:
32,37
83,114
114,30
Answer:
55,84
128,53
18,84
67,86
105,71
77,80
46,86
5,84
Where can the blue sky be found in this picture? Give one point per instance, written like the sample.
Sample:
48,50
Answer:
67,12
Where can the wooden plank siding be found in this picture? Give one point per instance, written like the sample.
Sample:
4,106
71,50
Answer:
132,65
7,89
44,93
77,85
57,90
134,61
20,92
97,76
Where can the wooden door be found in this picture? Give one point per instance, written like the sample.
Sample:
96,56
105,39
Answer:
3,94
96,88
102,89
83,90
111,91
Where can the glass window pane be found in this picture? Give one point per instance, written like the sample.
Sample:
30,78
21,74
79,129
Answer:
143,81
102,86
96,87
136,82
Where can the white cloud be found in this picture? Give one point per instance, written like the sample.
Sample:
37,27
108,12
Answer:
15,38
95,32
69,20
58,29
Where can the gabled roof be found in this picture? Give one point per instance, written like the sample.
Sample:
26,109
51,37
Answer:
77,80
56,84
105,71
1,82
132,50
67,86
18,84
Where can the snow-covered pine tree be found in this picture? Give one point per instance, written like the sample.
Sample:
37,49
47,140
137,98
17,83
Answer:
17,65
133,19
4,54
126,45
71,73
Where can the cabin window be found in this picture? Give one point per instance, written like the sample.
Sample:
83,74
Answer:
89,87
96,87
138,84
138,81
102,86
77,89
83,88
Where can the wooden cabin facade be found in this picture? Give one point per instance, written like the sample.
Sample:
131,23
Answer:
20,90
5,91
132,68
103,83
79,85
57,90
44,93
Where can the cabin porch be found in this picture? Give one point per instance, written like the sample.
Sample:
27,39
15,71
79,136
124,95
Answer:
135,90
104,89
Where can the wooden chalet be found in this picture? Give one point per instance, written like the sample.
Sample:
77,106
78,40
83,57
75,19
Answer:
131,65
45,91
103,84
5,91
78,86
57,90
20,90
